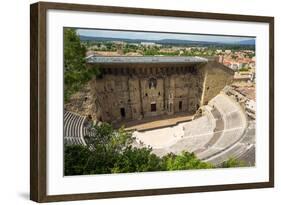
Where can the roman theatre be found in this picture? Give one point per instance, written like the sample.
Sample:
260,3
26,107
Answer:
171,104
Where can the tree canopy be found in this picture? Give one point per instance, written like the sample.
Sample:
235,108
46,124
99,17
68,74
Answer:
74,51
111,151
231,162
76,74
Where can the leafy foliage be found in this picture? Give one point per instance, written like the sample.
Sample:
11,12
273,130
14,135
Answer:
111,151
244,69
74,52
76,74
76,160
184,161
231,162
136,160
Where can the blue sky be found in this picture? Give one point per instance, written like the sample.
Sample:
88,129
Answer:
158,36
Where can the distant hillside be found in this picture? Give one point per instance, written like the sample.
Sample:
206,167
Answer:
162,41
185,42
176,42
247,42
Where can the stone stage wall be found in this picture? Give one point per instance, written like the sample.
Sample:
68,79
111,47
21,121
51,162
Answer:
133,91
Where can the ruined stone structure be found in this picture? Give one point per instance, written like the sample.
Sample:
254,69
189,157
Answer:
216,77
134,88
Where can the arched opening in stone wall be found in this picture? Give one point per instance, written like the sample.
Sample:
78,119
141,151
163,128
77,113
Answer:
153,107
180,105
122,112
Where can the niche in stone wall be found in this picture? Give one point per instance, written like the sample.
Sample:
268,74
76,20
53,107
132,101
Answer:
152,83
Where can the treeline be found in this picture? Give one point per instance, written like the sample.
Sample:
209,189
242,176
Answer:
155,50
111,151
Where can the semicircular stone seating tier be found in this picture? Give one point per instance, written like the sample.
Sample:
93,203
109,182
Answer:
228,144
194,136
74,128
213,137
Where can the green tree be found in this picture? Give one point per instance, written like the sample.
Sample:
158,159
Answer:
76,160
76,74
74,51
108,138
137,160
231,162
111,151
184,161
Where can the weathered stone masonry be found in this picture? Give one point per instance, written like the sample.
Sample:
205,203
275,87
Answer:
133,88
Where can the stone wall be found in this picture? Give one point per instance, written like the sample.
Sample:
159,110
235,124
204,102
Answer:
83,102
125,97
134,93
217,76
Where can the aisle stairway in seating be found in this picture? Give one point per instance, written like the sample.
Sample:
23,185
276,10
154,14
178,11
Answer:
234,126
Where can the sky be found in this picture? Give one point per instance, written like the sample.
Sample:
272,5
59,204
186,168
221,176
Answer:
158,36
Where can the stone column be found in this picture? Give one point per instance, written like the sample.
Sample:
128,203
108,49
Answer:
141,103
129,97
164,93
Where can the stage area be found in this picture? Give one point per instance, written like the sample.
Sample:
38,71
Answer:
155,122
